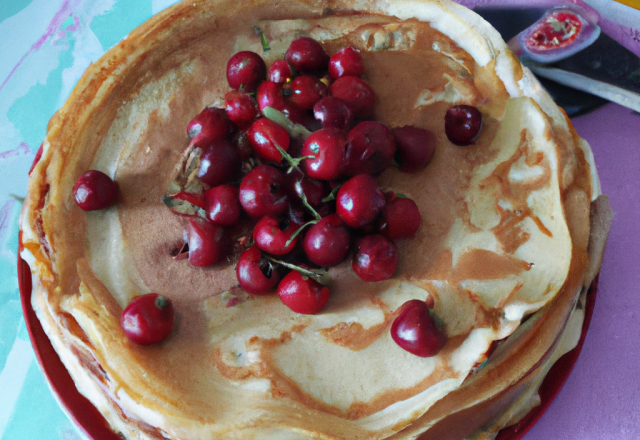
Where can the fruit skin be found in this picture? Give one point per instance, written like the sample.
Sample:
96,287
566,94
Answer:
313,190
359,201
247,70
302,294
264,135
95,190
210,125
207,242
250,274
219,163
271,238
279,72
240,107
333,113
307,90
370,148
415,330
327,242
356,93
262,192
346,62
415,147
306,55
327,145
148,319
462,124
400,218
376,258
222,205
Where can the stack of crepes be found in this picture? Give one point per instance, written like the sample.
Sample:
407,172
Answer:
506,247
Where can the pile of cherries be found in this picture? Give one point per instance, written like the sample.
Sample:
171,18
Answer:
295,152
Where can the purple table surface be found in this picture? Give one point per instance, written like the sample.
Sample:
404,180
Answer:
601,398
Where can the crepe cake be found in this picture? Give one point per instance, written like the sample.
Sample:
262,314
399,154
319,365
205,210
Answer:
505,249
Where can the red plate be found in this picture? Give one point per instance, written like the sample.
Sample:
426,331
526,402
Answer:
91,422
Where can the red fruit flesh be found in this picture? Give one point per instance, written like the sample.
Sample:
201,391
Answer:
265,135
306,90
246,70
415,147
207,242
148,319
327,242
356,93
346,62
370,148
327,146
255,273
462,124
222,205
95,190
210,125
262,192
272,235
219,163
240,107
279,72
415,330
333,113
376,258
302,294
306,55
400,219
359,201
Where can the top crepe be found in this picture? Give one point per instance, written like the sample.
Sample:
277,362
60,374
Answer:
505,234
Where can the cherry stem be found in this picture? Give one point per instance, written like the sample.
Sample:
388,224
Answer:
293,162
263,40
298,231
318,276
333,194
161,302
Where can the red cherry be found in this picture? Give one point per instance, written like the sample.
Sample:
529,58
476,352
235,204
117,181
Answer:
370,148
359,201
346,62
327,146
272,235
240,108
462,124
313,190
356,93
207,242
415,330
415,147
95,190
327,242
147,319
269,94
222,205
219,163
306,55
302,294
262,192
255,273
332,113
246,70
279,72
376,258
306,90
264,135
400,218
210,125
